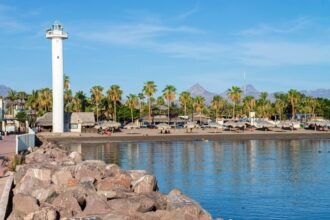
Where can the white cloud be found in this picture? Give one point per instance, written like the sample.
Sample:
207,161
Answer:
188,13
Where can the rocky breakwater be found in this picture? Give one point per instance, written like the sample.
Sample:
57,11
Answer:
56,184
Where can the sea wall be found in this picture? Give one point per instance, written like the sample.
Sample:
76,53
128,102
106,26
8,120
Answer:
56,184
24,141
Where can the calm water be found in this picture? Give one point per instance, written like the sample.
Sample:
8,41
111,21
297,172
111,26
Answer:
234,179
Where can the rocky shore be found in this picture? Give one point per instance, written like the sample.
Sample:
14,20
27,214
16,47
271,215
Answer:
56,184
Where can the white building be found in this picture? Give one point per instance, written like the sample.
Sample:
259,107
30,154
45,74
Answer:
57,35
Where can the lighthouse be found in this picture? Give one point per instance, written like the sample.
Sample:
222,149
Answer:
57,35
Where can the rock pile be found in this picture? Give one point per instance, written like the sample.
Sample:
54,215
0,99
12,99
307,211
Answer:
56,184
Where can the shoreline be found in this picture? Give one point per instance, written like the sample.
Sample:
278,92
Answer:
151,135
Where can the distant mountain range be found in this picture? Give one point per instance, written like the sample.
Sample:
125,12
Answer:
4,90
250,90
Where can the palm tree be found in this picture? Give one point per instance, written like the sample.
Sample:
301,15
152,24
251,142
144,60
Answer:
45,99
11,101
198,103
279,107
149,89
293,98
79,101
32,100
141,101
169,94
217,104
66,82
67,99
132,102
249,104
234,94
22,97
184,100
312,103
114,95
97,95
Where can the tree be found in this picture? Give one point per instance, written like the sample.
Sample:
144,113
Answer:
45,99
313,104
97,95
234,94
293,98
149,89
249,103
279,107
169,93
67,99
11,101
142,104
79,101
22,97
66,82
132,102
184,100
114,94
217,104
198,103
32,100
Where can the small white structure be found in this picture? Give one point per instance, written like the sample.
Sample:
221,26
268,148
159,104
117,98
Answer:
57,35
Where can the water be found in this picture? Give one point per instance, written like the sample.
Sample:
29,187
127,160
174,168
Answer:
234,179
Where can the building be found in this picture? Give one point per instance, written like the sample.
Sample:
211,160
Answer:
73,122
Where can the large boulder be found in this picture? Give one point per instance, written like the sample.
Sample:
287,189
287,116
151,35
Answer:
121,181
44,195
41,174
62,177
28,184
75,156
111,170
92,168
95,204
145,184
67,205
136,174
24,204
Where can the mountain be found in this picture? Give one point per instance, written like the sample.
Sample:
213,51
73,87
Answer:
4,90
317,93
250,90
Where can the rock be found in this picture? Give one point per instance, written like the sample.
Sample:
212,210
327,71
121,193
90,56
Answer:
95,205
24,204
62,177
116,194
75,156
159,198
87,182
41,174
139,203
43,214
93,168
44,195
136,174
112,170
72,182
67,205
29,184
121,181
145,184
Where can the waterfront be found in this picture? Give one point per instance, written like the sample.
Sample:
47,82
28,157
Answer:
256,179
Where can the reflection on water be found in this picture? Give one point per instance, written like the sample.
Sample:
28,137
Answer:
233,179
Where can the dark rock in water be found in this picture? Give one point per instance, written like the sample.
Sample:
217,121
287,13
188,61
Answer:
55,184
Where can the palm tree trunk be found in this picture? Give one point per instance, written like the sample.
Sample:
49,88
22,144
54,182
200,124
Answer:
132,114
149,110
216,114
185,109
234,110
168,112
115,110
97,113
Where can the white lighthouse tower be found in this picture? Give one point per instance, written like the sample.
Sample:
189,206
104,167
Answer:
57,35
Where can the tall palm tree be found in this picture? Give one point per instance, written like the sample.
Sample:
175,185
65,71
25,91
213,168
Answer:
279,107
45,99
32,100
249,104
234,94
169,93
198,103
97,95
132,102
142,104
313,104
184,100
22,97
67,99
11,101
114,95
79,101
149,89
293,98
66,82
217,104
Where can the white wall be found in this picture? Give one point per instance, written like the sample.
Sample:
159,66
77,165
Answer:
24,141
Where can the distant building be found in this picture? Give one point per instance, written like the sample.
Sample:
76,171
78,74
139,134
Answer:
2,109
73,122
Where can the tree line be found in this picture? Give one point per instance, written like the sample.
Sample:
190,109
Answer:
110,104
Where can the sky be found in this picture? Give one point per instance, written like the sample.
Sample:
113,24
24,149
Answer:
278,44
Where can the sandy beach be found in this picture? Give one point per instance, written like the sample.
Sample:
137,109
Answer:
180,134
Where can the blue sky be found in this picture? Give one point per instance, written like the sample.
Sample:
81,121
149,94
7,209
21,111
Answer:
279,44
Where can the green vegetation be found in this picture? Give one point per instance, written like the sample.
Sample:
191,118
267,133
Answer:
110,106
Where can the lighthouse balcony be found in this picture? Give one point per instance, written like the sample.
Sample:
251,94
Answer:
51,33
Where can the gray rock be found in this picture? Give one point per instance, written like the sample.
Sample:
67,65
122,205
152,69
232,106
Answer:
43,214
139,203
136,174
67,205
95,205
112,170
44,195
29,184
40,173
